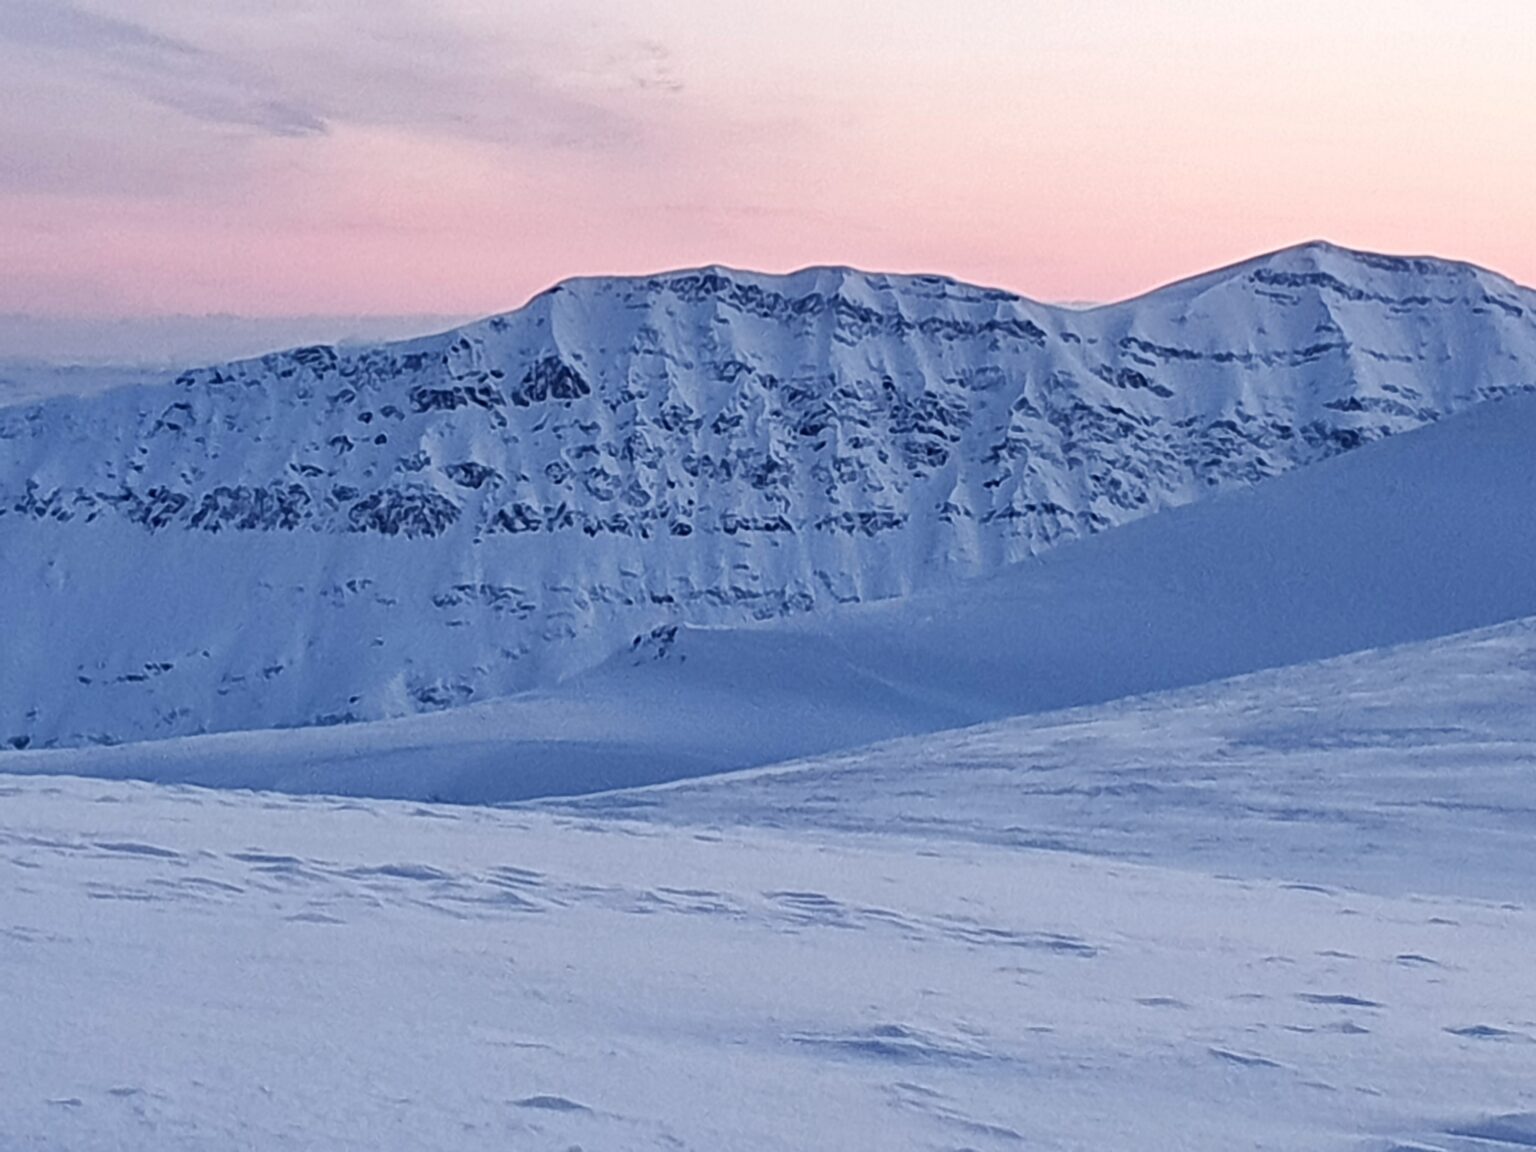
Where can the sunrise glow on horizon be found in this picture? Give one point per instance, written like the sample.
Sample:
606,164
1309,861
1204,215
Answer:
165,156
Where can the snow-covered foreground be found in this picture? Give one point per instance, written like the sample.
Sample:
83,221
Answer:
189,970
1296,915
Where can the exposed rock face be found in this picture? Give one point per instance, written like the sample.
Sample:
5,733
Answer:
324,535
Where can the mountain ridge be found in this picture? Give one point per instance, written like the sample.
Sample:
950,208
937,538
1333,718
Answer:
417,524
160,374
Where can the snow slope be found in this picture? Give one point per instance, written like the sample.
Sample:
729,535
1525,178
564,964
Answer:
1423,535
1400,770
325,536
1294,913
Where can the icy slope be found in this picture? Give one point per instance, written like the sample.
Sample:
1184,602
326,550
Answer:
1420,536
325,536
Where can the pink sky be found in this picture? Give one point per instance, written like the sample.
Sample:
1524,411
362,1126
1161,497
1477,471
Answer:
284,157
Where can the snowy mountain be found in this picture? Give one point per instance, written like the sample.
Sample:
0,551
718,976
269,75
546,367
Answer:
327,535
1087,891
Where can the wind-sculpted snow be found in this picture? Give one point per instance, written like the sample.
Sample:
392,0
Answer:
323,535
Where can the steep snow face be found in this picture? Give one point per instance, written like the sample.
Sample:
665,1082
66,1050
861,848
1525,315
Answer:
321,535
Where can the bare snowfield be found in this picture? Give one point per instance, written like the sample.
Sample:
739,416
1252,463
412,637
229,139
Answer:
1291,911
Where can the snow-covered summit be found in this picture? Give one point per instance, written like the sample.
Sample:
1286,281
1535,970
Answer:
1348,274
330,534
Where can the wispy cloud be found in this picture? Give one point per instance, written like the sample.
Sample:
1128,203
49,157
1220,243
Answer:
160,68
315,65
61,25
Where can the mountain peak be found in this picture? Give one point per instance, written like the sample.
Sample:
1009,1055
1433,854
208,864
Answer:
1336,274
820,280
1324,256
